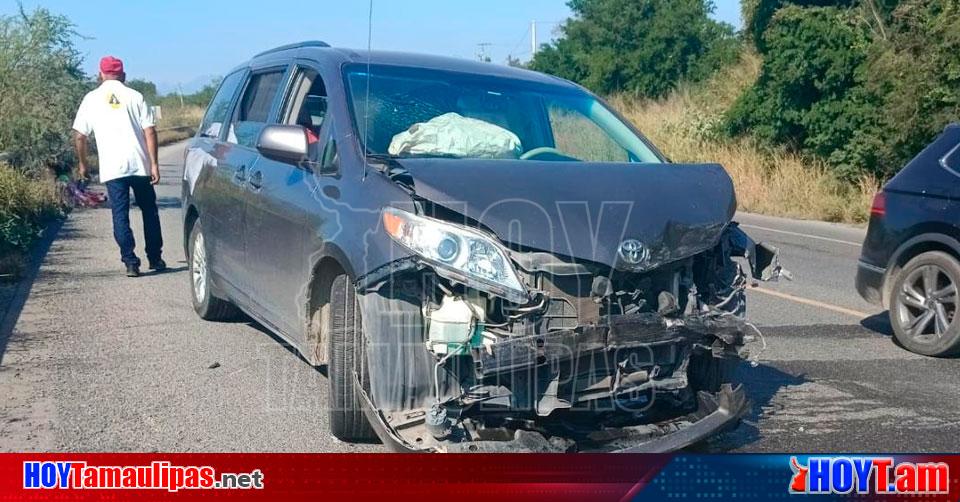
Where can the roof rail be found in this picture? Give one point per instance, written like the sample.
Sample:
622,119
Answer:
297,45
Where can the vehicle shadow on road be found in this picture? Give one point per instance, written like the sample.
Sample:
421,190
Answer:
762,384
878,323
12,305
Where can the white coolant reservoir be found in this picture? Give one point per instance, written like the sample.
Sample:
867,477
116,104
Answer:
453,326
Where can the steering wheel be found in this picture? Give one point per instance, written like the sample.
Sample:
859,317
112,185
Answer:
544,151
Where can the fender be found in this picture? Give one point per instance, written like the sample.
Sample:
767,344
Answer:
920,239
322,255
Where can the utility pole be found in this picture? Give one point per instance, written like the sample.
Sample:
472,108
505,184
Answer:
482,51
180,92
533,38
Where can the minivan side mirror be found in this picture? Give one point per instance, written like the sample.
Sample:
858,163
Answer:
285,143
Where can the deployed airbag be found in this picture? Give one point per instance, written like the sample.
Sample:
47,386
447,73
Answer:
453,135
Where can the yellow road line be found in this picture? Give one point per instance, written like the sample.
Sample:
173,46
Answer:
812,303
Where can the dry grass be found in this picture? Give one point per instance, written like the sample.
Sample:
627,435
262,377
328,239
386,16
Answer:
175,116
178,123
686,127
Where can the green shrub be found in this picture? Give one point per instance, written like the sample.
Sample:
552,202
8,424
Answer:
863,87
25,206
809,94
41,85
759,14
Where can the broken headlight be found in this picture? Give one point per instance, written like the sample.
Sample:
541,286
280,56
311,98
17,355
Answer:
458,253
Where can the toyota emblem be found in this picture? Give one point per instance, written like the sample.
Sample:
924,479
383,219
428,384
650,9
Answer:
633,252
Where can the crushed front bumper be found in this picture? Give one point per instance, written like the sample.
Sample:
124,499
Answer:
716,412
649,340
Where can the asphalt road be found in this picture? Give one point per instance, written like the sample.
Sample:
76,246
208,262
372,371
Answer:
100,362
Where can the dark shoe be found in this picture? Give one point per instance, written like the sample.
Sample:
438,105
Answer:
133,271
158,265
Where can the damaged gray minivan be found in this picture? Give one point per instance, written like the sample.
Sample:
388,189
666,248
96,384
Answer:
484,258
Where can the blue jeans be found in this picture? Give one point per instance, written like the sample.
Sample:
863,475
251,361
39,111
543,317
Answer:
119,192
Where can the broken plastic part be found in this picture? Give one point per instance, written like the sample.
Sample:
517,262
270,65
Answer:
764,259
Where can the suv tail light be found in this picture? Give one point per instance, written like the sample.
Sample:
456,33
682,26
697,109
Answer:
879,207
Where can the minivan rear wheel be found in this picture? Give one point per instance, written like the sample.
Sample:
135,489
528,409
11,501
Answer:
206,305
923,306
346,359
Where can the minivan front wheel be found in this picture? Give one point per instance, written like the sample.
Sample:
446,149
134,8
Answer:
923,306
206,305
346,363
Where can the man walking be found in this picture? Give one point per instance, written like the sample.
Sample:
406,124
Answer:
127,146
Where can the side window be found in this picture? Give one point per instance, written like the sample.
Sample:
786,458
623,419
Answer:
254,110
307,107
951,161
219,109
574,134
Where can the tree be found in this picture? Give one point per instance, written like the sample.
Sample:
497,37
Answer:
145,87
915,68
643,47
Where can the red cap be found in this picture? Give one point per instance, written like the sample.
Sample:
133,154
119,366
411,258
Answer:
110,65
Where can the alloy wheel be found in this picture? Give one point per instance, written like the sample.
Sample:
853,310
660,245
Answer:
198,268
927,303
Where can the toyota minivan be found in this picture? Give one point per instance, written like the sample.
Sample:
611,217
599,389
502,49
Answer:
484,258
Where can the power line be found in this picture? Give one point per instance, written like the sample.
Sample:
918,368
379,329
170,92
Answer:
522,39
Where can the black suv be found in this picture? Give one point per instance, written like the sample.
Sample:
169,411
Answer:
910,256
485,258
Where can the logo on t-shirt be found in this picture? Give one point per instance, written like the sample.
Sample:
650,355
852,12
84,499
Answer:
114,102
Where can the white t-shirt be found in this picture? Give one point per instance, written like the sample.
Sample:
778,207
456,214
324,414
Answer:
117,116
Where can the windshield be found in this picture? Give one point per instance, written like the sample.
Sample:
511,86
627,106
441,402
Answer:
414,112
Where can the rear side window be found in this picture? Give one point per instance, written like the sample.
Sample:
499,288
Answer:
951,161
218,111
255,107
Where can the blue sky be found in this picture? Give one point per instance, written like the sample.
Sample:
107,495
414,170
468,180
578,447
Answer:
188,42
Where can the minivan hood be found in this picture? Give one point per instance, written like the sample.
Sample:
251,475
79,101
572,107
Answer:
583,210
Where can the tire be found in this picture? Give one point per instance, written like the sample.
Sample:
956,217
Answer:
708,373
206,305
923,305
345,359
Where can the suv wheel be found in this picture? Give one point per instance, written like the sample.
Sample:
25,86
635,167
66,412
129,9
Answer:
923,306
346,358
207,306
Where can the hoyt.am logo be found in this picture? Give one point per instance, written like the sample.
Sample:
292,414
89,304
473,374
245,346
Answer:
868,475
